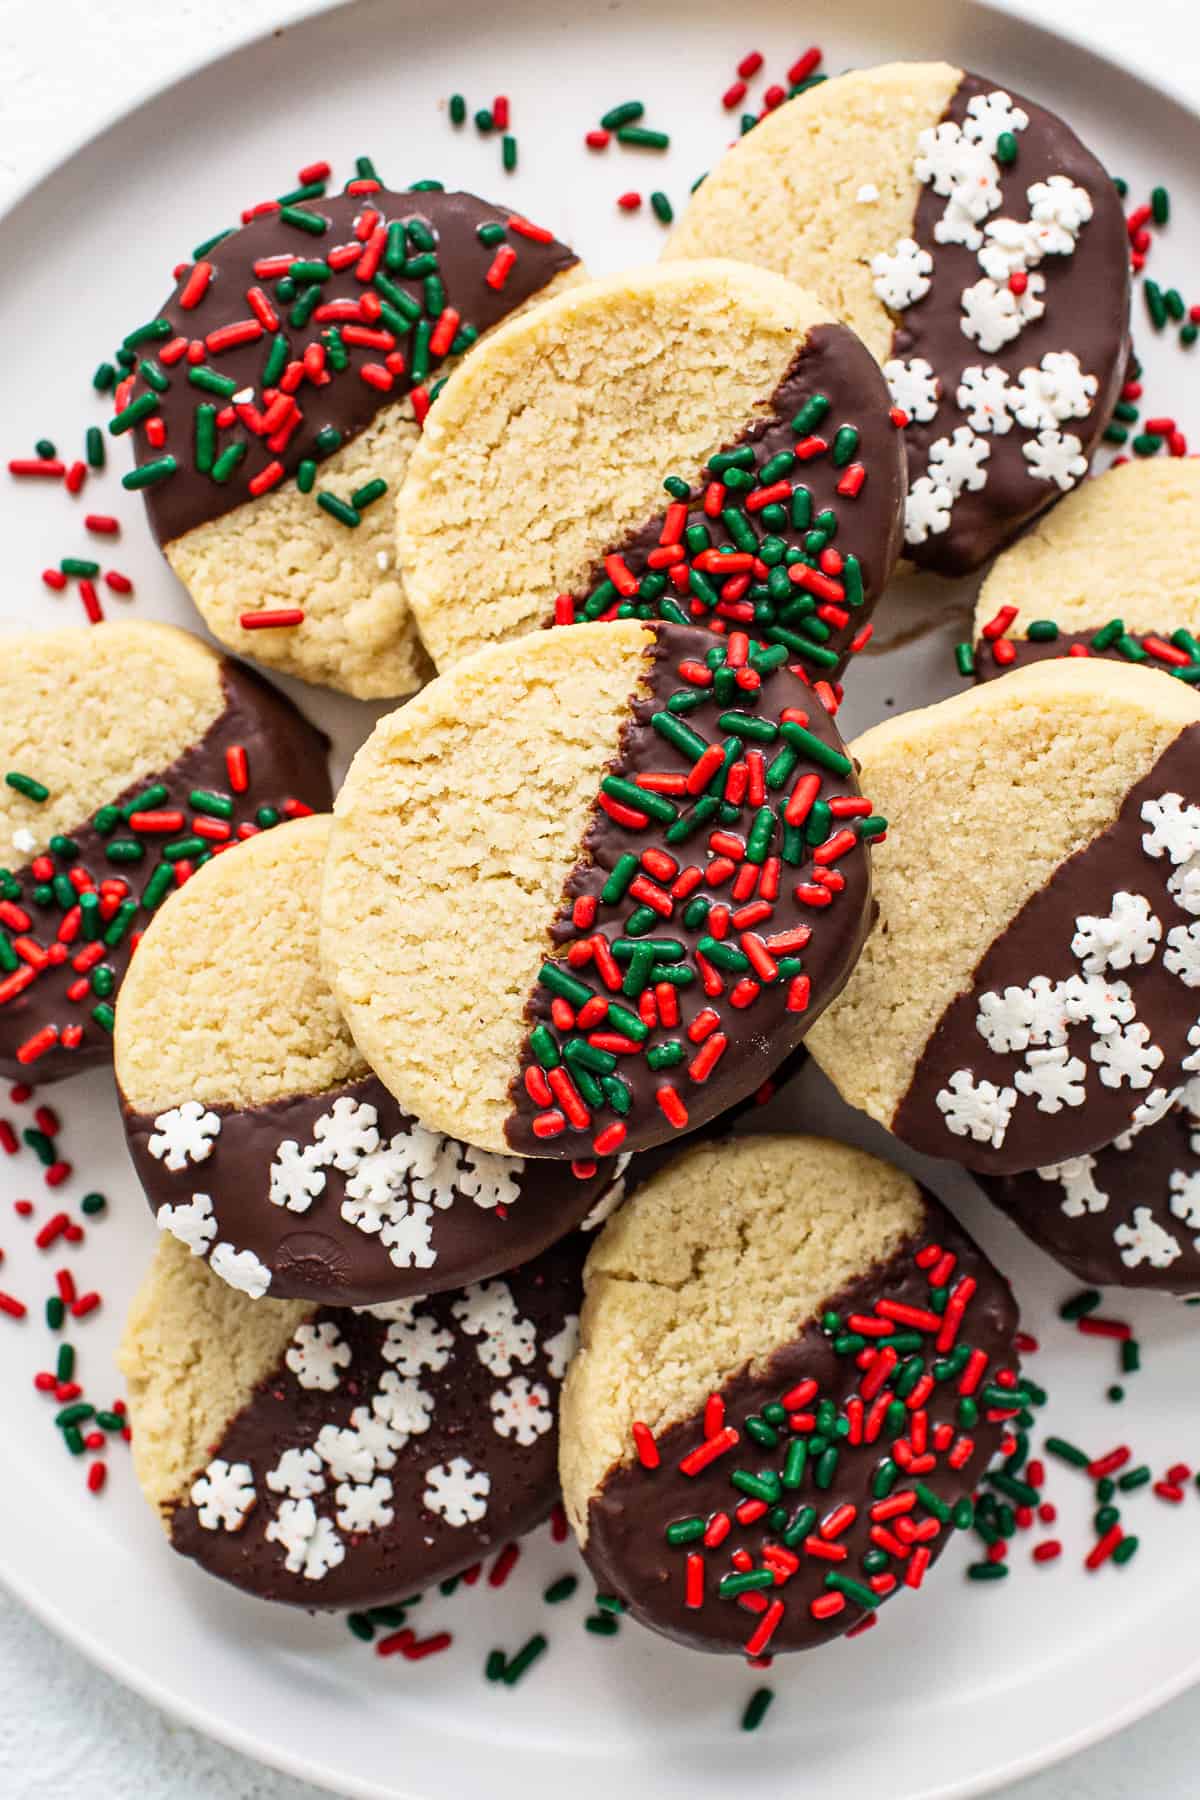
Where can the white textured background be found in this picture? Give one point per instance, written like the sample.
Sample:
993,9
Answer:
63,66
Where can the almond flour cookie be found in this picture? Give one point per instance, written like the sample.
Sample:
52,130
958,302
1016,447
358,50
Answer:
977,248
330,1457
279,395
1030,986
794,1369
1127,1215
1110,572
700,443
591,887
262,1139
133,754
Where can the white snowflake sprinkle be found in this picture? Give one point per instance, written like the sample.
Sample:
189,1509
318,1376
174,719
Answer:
976,1110
926,510
1174,828
1127,1055
316,1354
487,1311
956,462
347,1132
985,397
991,116
994,316
914,387
224,1495
489,1180
1182,954
345,1453
1056,456
184,1134
403,1405
363,1506
1185,1198
1146,1241
376,1437
409,1237
522,1410
1010,247
611,1197
562,1346
241,1269
1077,1177
1055,391
1184,885
311,1545
1060,210
1155,1107
418,1343
1054,1077
191,1221
902,278
1102,1003
1128,934
298,1473
457,1492
297,1176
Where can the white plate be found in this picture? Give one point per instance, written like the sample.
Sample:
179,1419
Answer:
950,1695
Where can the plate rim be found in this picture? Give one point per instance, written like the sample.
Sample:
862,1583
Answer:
48,1609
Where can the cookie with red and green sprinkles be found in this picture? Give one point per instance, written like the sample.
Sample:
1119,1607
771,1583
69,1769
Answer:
331,1457
794,1369
1111,572
977,247
1128,1214
702,443
1031,988
276,399
589,888
264,1142
132,755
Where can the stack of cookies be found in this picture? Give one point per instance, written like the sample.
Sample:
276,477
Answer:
388,1062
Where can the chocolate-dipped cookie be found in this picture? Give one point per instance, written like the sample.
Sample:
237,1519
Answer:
327,1457
979,250
1111,572
1035,970
277,398
1127,1215
591,887
261,1138
702,443
133,755
794,1368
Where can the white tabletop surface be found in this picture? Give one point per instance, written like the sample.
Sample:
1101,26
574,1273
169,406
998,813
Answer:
64,1723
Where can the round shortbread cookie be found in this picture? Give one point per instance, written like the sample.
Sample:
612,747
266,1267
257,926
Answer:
329,1457
976,247
1127,1215
1113,570
281,391
720,1423
766,423
1028,990
589,888
132,753
263,1141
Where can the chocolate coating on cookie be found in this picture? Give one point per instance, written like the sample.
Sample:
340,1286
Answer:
722,931
993,658
344,1198
416,299
831,534
1127,1215
285,760
1093,984
823,1529
1086,307
384,1453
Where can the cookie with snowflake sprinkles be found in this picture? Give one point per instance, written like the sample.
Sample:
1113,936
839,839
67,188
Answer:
1111,572
276,401
977,247
1031,986
261,1138
591,887
328,1457
1127,1215
794,1369
132,755
702,443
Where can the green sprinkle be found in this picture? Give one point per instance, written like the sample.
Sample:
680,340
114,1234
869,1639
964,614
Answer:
25,784
853,1590
361,1626
756,1708
642,138
845,443
1006,148
624,114
73,1439
150,473
1067,1452
338,509
56,1312
987,1571
661,207
1160,205
1127,1548
601,1624
314,223
91,1204
1156,306
367,495
484,121
964,658
94,440
458,109
685,1531
1080,1305
815,749
152,333
76,1414
104,379
508,152
655,806
524,1659
747,1582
